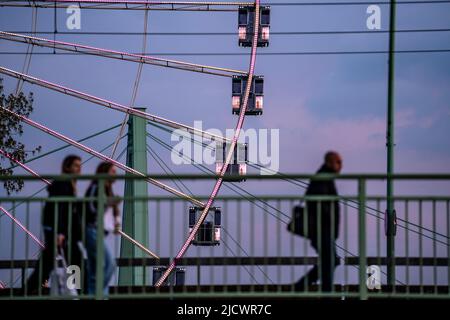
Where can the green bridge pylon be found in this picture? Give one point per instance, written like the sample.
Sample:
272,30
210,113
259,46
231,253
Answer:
135,213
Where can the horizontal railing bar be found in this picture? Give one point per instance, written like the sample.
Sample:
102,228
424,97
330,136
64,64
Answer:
227,197
171,198
262,295
274,288
244,290
350,176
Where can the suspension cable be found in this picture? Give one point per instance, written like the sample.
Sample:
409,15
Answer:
232,187
189,191
103,157
66,146
305,185
276,217
246,254
162,165
42,189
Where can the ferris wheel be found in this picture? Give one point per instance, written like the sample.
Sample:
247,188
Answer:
246,99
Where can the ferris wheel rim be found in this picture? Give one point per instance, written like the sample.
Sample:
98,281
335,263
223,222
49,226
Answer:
225,165
219,181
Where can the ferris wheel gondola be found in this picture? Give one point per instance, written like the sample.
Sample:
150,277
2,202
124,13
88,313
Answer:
246,21
177,277
237,169
255,98
209,232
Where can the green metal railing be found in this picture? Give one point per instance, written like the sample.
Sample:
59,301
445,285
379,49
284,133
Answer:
257,256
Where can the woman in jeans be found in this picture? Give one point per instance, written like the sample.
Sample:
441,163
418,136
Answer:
91,227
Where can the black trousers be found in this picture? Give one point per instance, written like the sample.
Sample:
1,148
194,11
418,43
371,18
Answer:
46,262
324,270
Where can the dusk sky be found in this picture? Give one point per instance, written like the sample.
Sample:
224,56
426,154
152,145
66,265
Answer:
318,102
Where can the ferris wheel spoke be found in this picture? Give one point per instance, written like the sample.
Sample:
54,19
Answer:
135,87
14,219
26,168
103,157
17,222
113,54
110,104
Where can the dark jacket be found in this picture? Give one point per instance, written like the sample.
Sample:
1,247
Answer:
92,205
62,210
329,216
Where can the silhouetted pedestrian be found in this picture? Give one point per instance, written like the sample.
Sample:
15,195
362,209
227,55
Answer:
57,218
324,234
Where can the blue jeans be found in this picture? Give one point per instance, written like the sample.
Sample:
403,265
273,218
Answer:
109,263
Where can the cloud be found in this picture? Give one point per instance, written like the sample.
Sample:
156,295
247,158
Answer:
360,139
409,118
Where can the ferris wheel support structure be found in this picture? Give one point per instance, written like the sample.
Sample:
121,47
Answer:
145,5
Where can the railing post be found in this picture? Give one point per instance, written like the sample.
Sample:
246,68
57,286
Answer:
99,276
198,277
448,247
362,238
